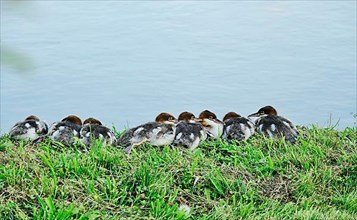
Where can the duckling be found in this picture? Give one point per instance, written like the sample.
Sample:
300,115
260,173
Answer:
157,133
29,129
93,128
189,132
274,126
237,127
213,126
66,130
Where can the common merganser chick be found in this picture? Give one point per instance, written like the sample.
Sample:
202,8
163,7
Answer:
237,127
66,130
189,132
29,129
274,126
158,133
210,122
93,128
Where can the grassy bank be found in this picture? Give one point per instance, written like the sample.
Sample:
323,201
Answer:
260,178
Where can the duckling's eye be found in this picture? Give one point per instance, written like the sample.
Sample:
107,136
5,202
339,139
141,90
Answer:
192,117
210,117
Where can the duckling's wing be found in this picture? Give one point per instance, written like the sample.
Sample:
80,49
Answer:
290,133
103,133
125,139
18,129
270,126
183,134
287,122
168,129
136,135
234,129
69,126
27,128
41,128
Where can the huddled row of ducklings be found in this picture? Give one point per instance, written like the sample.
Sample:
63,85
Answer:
186,130
65,131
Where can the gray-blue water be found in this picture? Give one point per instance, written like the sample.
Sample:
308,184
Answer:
124,62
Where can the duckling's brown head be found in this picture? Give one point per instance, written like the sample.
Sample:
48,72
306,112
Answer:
266,110
73,119
187,116
231,115
165,117
32,117
92,121
206,114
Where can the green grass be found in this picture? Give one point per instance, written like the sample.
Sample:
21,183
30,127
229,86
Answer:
256,179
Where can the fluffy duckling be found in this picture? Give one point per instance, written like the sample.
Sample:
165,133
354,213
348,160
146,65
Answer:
157,133
93,128
29,129
274,126
189,133
237,127
213,126
66,130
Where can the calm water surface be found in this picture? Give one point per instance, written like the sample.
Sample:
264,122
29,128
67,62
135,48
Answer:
124,62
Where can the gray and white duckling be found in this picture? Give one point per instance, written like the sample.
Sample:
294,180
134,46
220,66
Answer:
67,130
189,132
93,129
237,127
274,126
213,126
158,133
29,129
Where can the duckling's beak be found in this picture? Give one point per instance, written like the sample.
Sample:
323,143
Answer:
254,115
217,121
175,121
199,120
194,120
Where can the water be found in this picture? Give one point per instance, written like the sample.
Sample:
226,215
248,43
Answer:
125,62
